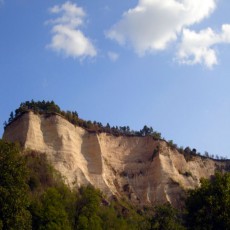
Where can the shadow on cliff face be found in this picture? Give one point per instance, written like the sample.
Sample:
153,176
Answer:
50,133
91,151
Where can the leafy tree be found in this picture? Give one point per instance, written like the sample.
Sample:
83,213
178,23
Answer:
50,213
5,124
156,135
146,131
41,173
13,189
208,206
49,107
38,107
166,217
87,217
206,154
122,216
44,182
11,117
172,145
111,220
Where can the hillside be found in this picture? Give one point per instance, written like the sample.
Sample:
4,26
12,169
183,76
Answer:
143,169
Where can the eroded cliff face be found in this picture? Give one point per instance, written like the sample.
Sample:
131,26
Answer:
145,170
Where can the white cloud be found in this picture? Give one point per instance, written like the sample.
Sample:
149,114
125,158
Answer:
113,56
198,48
153,24
67,37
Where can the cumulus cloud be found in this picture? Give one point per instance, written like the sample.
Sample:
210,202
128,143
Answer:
67,38
199,47
153,24
113,56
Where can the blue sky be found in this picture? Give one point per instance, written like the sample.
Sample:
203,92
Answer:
160,63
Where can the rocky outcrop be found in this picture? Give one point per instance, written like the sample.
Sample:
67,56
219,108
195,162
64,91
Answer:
145,170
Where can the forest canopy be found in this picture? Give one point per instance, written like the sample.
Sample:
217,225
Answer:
34,196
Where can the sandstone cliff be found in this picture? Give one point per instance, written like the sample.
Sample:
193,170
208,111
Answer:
145,170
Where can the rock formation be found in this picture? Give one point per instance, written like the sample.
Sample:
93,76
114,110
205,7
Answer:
145,170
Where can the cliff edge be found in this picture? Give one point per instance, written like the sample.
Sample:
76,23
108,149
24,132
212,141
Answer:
143,169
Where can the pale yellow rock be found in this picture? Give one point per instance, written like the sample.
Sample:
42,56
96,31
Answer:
120,166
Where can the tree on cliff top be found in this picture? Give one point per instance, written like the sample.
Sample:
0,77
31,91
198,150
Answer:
38,107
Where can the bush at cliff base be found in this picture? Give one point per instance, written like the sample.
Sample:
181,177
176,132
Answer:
208,207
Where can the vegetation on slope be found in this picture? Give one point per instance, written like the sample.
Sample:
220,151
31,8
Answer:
49,107
34,196
208,206
14,199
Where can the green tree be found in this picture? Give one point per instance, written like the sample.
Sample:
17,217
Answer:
208,206
146,131
49,213
111,220
87,217
166,217
11,118
13,189
52,202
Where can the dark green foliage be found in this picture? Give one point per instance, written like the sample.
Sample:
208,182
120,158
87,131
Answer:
146,131
49,107
13,189
52,202
166,217
94,213
121,215
41,174
49,213
111,220
208,206
52,205
38,107
11,117
87,209
172,145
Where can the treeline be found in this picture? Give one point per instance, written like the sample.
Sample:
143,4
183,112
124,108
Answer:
49,107
41,107
190,153
34,196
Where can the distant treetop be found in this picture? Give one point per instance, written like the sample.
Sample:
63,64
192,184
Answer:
38,107
41,107
49,107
